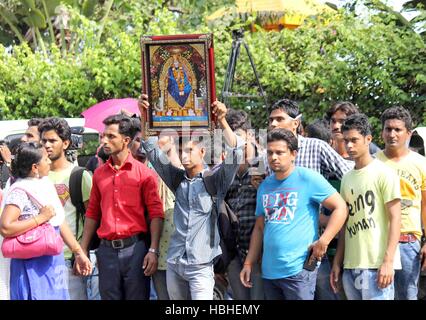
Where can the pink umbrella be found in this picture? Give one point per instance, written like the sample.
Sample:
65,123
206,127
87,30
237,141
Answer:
98,112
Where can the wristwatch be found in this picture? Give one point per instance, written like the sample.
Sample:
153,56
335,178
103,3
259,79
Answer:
155,251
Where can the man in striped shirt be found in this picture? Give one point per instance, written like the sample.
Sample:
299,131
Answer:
241,197
313,153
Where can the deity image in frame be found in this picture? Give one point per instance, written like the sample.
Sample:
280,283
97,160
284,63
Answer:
178,78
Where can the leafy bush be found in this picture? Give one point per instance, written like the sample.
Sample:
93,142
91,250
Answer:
371,63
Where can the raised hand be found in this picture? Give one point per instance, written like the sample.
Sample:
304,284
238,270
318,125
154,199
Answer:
143,103
219,110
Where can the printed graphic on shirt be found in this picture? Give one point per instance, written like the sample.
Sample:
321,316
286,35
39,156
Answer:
366,192
63,192
411,171
409,188
364,203
280,206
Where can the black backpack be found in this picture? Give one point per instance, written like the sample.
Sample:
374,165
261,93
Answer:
76,195
228,224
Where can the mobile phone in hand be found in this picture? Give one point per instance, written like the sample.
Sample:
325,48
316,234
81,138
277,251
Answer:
310,266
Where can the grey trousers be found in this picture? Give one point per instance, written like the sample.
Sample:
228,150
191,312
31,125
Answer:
239,291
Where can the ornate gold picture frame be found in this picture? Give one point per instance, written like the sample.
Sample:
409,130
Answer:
178,77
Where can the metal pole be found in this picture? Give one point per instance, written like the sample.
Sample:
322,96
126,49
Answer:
230,70
255,73
238,38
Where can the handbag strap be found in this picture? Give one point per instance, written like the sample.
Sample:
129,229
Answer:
32,197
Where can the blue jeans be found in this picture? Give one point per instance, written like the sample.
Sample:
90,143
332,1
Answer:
361,284
185,282
76,284
298,287
407,279
239,292
92,281
323,289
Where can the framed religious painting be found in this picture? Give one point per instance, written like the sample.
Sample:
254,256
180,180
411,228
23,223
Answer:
178,77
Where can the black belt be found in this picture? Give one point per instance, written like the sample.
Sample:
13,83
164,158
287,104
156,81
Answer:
123,243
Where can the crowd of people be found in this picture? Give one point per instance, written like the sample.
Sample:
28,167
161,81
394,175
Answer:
323,213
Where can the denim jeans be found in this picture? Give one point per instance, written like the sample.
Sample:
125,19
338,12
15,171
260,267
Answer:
238,290
407,279
323,289
152,291
185,282
92,281
76,284
361,284
298,287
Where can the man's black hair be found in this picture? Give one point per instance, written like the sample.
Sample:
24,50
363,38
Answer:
238,119
348,108
34,122
359,122
319,129
288,106
279,134
398,113
126,125
59,125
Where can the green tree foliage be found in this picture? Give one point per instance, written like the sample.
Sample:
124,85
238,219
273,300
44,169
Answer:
372,62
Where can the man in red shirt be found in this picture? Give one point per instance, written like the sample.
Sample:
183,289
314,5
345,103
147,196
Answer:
123,190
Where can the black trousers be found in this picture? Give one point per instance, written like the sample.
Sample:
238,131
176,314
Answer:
121,275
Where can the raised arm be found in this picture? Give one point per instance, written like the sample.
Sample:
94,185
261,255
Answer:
220,110
234,151
159,160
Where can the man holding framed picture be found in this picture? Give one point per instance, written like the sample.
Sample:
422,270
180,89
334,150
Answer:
195,243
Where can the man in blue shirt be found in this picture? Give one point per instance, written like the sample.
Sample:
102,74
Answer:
191,252
287,223
316,155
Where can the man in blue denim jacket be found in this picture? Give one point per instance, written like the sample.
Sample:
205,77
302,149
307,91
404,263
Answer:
191,254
